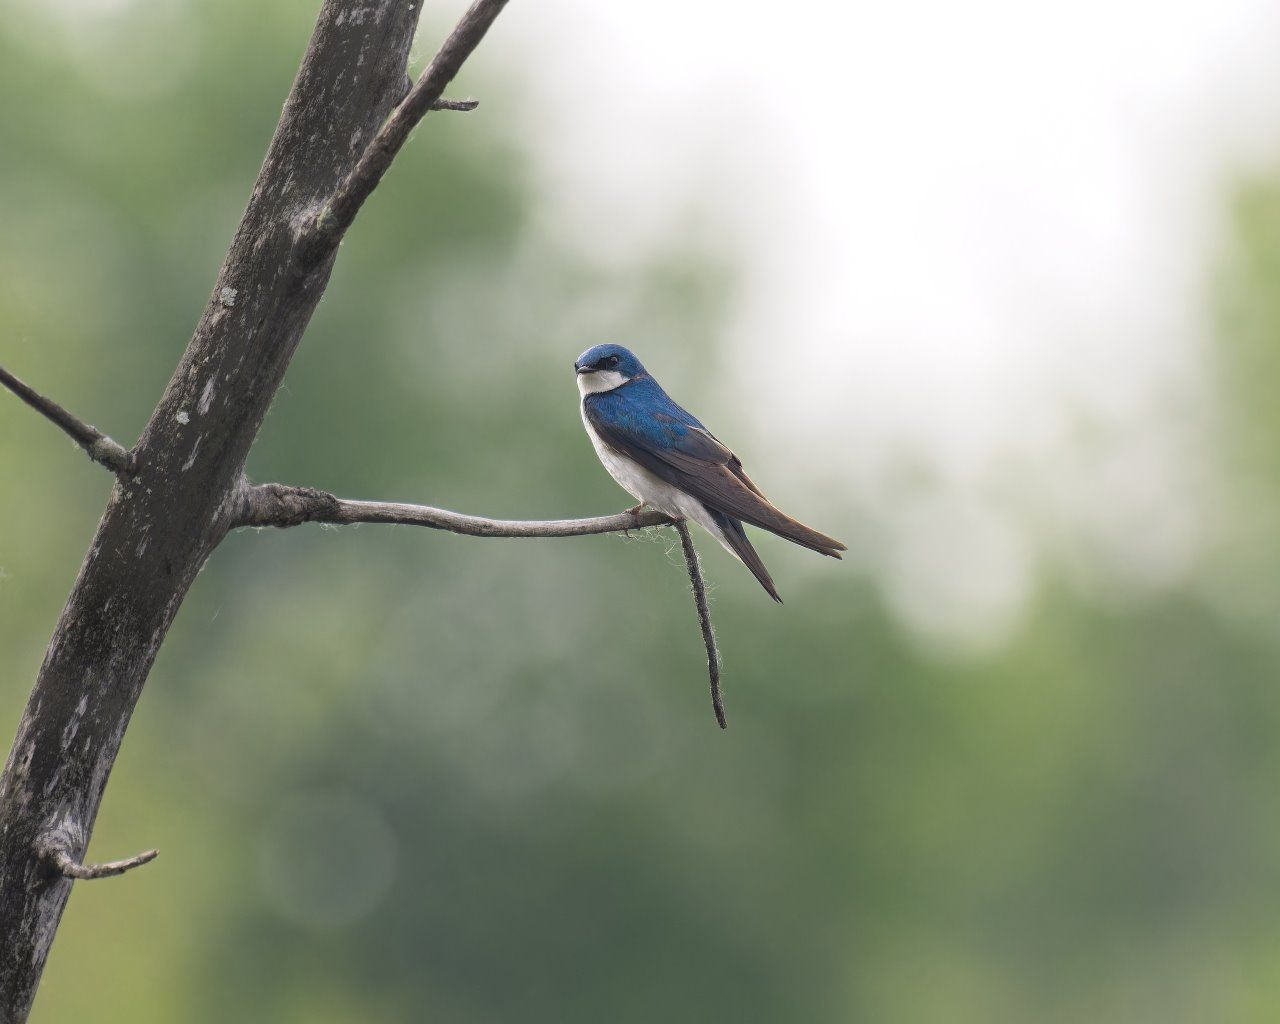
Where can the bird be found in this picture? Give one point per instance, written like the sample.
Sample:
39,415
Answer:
665,458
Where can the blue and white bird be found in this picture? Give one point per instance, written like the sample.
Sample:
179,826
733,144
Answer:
666,459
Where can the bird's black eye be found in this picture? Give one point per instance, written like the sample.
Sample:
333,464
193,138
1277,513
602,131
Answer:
611,362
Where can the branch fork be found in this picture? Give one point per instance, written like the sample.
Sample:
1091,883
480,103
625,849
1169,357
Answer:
325,229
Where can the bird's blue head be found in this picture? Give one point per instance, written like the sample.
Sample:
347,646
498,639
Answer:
606,367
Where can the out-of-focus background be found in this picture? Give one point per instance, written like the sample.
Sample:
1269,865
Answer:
991,291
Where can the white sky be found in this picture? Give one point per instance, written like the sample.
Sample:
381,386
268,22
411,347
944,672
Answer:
963,228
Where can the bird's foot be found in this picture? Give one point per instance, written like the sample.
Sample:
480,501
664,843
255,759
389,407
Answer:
634,511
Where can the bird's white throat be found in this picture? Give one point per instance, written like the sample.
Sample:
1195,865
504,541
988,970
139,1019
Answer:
601,380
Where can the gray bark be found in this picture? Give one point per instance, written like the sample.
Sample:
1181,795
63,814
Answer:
162,522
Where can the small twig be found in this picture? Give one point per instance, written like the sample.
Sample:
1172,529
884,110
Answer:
55,851
100,448
67,866
324,230
704,618
283,506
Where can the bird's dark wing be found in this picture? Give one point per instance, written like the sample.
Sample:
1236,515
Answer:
647,427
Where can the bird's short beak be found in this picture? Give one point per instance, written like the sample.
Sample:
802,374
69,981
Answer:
585,369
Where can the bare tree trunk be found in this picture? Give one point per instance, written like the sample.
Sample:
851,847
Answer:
163,520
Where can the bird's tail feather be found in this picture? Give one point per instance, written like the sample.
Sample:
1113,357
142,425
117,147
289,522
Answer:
769,518
735,539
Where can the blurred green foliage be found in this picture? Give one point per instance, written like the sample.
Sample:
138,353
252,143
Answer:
397,775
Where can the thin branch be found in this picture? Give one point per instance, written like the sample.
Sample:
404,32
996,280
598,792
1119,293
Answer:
325,229
99,447
55,851
282,506
463,105
704,618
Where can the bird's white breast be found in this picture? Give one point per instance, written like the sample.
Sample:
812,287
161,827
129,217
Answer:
631,476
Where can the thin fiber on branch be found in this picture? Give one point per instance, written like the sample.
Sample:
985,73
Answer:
704,618
97,445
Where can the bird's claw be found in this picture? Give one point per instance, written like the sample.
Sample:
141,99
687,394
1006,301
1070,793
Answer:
634,511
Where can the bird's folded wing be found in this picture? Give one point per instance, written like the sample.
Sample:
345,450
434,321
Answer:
690,457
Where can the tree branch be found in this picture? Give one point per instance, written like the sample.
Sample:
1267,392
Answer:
462,105
324,230
282,506
59,857
99,447
704,618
